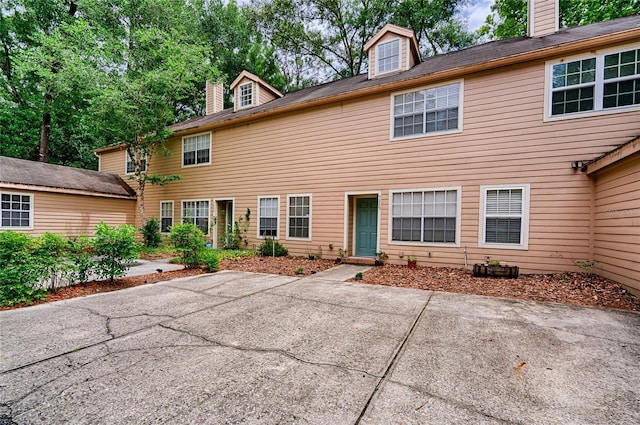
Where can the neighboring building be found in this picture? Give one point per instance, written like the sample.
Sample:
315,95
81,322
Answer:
36,198
499,150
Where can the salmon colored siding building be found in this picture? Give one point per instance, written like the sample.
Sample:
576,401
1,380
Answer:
484,152
36,198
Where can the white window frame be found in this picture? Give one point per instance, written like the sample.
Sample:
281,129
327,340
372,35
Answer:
172,213
524,223
182,217
378,56
299,195
242,98
598,88
185,138
460,83
128,161
31,209
258,235
456,243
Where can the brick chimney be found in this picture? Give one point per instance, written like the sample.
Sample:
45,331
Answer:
214,97
542,17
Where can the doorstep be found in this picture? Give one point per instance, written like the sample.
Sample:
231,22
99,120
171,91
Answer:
362,261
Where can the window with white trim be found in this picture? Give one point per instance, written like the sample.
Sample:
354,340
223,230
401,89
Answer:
388,56
504,216
131,166
596,83
268,216
299,216
245,94
16,210
196,150
429,216
196,212
166,216
426,111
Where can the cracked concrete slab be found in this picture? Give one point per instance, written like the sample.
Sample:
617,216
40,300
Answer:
224,283
498,360
249,348
318,332
376,298
170,377
29,335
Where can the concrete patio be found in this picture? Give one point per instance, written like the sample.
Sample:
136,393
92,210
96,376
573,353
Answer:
235,347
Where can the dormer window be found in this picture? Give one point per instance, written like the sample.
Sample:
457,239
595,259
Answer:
246,95
250,90
388,56
392,49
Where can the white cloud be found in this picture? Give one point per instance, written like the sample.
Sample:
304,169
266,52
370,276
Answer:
476,11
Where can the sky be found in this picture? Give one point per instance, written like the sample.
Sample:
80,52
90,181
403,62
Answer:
476,11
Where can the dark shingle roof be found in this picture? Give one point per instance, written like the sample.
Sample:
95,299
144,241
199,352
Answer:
32,173
473,56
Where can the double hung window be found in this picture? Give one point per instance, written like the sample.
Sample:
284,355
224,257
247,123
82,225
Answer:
606,81
429,216
268,216
388,55
196,212
299,217
196,150
504,216
426,111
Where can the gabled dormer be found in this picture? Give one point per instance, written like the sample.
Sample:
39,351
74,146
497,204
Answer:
249,90
393,49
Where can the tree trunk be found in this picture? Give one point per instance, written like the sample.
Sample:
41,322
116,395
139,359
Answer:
45,130
43,153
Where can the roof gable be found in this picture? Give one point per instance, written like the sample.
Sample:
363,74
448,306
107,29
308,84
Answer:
390,28
246,74
32,173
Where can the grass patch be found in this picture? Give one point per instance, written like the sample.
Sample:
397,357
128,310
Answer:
234,254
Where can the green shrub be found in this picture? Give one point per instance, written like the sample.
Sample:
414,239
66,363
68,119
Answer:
151,233
272,248
20,272
50,252
115,248
210,260
188,239
79,255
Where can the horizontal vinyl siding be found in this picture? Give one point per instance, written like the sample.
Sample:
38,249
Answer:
73,215
545,17
617,222
114,162
331,150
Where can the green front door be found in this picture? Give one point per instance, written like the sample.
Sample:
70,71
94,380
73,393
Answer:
366,227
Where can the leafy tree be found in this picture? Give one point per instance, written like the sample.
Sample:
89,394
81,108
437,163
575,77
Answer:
236,44
157,65
46,82
331,34
435,24
509,17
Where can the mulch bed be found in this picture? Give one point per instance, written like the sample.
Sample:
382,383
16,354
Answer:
568,288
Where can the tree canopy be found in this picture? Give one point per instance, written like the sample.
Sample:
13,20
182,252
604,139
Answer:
325,39
509,17
80,74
